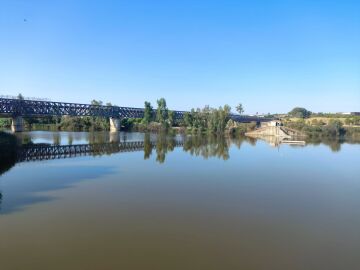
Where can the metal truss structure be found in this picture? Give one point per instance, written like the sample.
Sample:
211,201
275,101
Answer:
38,108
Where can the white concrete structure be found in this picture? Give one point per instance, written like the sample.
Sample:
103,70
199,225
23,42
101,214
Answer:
115,124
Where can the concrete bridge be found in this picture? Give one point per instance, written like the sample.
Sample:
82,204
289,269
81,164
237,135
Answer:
18,108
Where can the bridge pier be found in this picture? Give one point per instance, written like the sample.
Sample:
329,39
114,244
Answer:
17,124
115,124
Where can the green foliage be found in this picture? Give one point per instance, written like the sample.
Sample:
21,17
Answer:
352,121
317,128
5,122
240,108
208,119
334,128
148,113
128,123
171,118
20,96
188,119
162,111
299,112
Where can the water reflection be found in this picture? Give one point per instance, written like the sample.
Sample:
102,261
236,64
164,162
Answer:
102,143
333,143
208,146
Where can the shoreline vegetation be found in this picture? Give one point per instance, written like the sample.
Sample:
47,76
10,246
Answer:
320,125
199,121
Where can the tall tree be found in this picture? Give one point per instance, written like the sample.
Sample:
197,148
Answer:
162,111
148,113
171,118
20,96
240,108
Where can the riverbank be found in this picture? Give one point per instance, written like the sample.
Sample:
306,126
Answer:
332,128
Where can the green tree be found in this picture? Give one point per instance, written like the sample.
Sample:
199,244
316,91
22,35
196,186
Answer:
300,112
95,122
20,96
162,111
171,118
148,113
188,119
240,108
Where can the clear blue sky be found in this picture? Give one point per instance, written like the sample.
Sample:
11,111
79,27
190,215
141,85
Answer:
269,55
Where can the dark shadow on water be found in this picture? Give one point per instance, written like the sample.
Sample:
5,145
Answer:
28,192
8,151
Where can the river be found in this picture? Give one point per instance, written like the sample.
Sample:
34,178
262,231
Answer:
78,200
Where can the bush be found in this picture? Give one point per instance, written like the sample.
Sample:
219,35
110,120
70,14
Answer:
300,113
317,128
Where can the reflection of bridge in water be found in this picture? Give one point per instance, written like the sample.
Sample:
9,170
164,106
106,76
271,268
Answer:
47,152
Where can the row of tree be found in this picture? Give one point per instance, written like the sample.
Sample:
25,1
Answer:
163,115
207,119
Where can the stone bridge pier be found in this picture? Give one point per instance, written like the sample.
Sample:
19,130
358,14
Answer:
17,124
115,124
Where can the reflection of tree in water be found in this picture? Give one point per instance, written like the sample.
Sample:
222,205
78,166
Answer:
333,143
98,137
238,140
164,144
199,145
207,146
70,139
147,146
56,138
1,196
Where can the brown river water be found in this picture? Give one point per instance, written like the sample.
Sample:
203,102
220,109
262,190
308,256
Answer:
142,201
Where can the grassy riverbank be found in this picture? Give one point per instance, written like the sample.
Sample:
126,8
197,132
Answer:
331,128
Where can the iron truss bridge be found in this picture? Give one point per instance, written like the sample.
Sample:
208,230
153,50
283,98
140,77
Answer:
38,108
38,152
